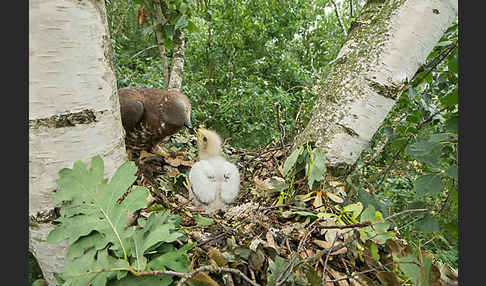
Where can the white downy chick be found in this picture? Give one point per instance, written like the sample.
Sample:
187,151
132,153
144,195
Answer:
214,181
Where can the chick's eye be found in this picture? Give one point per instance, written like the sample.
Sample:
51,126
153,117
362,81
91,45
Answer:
205,139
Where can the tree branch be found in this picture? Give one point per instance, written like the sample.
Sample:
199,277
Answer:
339,17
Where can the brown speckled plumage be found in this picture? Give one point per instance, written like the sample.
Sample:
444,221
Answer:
149,115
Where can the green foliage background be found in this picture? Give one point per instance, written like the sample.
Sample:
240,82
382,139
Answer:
245,56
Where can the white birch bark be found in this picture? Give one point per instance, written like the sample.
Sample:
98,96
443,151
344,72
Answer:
73,107
389,42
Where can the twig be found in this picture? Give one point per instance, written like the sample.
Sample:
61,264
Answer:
298,113
351,8
355,275
280,127
355,236
288,270
339,18
448,51
138,53
218,270
324,281
356,225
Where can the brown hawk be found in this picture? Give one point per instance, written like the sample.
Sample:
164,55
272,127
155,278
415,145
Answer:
149,115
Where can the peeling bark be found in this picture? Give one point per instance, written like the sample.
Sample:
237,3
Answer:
74,113
388,42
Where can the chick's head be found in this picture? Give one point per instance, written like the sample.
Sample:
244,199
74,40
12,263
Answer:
209,144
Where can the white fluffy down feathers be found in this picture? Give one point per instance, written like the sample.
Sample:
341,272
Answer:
214,181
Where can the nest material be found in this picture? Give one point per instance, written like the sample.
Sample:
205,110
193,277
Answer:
254,233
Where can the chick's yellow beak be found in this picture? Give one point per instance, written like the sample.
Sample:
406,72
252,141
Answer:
199,134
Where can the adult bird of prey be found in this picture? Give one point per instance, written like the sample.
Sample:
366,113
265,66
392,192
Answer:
149,115
214,181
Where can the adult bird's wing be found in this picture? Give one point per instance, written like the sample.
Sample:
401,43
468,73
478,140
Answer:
203,181
230,184
131,107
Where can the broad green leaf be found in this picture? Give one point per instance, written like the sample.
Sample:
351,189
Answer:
130,280
430,183
355,209
452,124
409,268
452,64
425,151
452,172
85,270
291,160
275,269
450,99
203,220
428,224
368,214
366,199
96,201
318,166
81,245
173,259
191,27
374,251
157,228
181,22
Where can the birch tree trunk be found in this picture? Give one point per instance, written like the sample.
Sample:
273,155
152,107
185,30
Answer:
74,113
175,79
390,40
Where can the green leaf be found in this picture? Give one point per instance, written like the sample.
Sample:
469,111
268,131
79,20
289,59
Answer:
174,259
450,99
318,166
158,228
428,224
305,214
452,172
374,251
275,269
181,22
411,270
191,27
439,137
425,151
81,245
130,280
312,277
451,124
430,183
366,199
291,160
368,214
355,209
202,220
452,63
